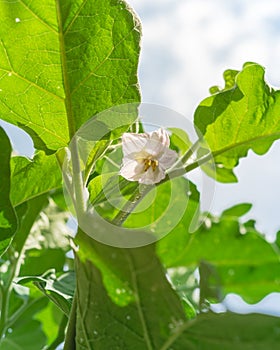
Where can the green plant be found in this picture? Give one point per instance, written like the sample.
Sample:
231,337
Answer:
62,63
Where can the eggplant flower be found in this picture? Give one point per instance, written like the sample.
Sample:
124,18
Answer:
147,156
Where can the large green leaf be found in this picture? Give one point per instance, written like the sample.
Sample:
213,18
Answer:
67,61
8,219
30,179
243,116
227,332
105,319
154,318
236,257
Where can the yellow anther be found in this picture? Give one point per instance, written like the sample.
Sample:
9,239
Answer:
150,163
154,164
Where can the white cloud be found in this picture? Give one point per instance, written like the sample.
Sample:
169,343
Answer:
203,38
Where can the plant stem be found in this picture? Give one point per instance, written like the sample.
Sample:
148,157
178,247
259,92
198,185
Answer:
70,339
131,204
78,182
188,168
190,151
90,167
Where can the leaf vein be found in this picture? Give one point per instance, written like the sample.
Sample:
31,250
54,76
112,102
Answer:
75,17
146,334
39,18
104,60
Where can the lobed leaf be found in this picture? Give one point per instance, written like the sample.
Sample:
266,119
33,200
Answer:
241,117
240,259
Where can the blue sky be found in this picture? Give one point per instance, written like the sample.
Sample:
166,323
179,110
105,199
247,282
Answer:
186,46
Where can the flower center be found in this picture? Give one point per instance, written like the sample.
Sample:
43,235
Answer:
150,163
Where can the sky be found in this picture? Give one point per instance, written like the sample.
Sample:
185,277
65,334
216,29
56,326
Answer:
186,46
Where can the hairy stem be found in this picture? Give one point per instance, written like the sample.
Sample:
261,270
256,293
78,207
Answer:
133,201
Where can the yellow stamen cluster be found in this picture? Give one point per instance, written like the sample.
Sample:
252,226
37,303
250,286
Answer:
150,163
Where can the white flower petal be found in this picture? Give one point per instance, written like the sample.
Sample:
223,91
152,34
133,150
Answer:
154,148
133,143
161,136
150,176
168,158
147,156
158,142
130,169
